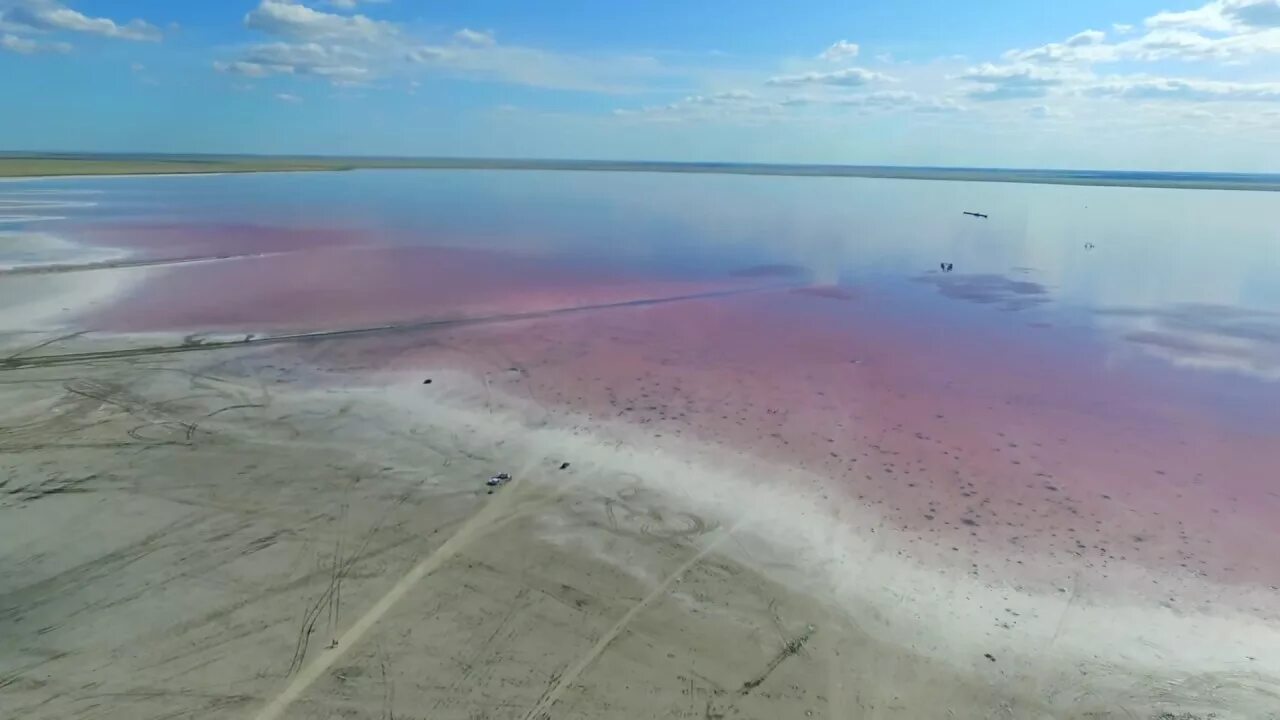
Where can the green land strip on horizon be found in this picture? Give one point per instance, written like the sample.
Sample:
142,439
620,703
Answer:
35,165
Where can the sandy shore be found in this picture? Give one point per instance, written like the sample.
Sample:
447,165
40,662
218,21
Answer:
227,534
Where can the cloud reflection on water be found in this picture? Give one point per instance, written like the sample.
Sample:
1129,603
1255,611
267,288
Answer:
1213,337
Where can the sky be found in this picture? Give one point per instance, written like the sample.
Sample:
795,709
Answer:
1106,84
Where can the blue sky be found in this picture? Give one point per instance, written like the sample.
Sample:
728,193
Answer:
1160,84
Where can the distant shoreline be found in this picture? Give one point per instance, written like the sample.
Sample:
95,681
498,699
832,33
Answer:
17,166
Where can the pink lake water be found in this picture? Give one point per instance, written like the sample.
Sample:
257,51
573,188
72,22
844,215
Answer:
1096,379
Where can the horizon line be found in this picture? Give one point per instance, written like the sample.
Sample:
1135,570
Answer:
241,162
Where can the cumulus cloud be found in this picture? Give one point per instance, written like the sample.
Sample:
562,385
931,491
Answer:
1011,82
728,105
849,77
239,67
881,100
839,51
1222,16
938,106
338,64
28,46
288,97
1087,46
13,43
353,48
1157,44
342,49
1088,37
535,67
1203,18
900,100
1149,88
1045,112
1221,30
1254,13
43,16
475,38
299,22
427,54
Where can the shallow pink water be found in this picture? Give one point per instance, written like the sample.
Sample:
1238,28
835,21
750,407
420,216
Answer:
972,435
345,280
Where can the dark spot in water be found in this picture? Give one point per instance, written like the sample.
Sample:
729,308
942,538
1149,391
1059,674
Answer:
774,270
830,292
987,289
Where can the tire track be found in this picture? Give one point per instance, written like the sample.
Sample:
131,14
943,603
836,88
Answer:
474,527
540,710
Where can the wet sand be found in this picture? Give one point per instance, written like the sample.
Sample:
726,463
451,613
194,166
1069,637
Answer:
885,530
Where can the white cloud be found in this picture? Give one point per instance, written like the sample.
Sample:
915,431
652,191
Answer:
1045,112
1172,43
1086,38
27,46
1012,82
1207,17
350,4
1087,46
849,77
741,105
476,38
338,64
901,100
1222,16
1122,28
839,51
41,16
1221,30
737,105
1149,88
1254,13
535,67
426,54
355,49
288,97
239,67
299,22
884,97
137,67
13,43
729,96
